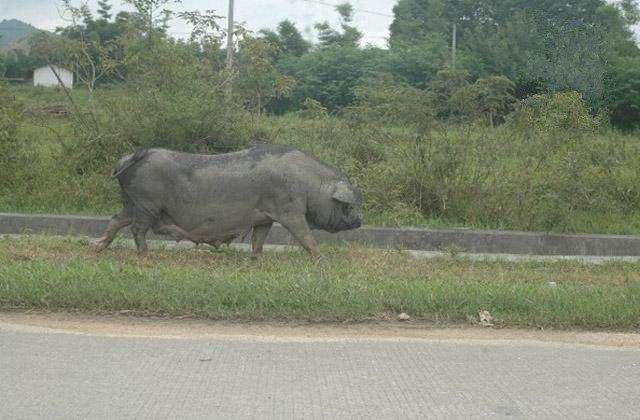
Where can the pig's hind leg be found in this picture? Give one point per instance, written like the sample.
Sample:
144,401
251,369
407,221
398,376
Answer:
258,236
117,222
143,220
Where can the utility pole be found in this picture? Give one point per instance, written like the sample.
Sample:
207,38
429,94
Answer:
453,47
228,91
230,28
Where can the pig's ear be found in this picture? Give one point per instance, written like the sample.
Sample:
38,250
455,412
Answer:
344,193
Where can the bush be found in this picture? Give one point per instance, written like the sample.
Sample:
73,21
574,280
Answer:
383,101
489,99
549,115
10,116
313,109
194,118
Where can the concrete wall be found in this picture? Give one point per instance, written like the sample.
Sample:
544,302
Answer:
411,239
45,77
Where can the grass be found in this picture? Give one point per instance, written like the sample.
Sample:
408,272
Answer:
354,285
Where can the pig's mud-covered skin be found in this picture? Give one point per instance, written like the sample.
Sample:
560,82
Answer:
214,199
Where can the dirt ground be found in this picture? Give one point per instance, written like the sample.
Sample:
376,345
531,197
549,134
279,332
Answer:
122,325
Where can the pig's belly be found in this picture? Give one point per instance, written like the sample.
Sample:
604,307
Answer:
218,227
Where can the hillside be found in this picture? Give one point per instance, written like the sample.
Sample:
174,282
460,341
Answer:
12,31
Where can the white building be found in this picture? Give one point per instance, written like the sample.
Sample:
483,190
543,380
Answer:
45,77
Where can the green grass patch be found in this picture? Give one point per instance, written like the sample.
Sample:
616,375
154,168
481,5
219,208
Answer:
353,285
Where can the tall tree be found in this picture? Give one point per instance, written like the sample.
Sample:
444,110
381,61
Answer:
104,8
350,35
537,44
287,40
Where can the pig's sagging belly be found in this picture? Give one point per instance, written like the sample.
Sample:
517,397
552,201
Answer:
211,225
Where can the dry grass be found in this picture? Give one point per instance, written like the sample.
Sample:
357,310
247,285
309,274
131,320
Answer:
354,284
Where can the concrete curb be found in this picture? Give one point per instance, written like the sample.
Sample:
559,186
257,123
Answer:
483,242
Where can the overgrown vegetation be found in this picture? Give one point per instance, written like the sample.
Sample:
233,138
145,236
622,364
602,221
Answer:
354,285
512,138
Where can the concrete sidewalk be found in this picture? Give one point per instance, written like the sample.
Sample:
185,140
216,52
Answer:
76,373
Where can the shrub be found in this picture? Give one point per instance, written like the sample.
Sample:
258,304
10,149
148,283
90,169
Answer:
383,101
489,99
313,109
10,116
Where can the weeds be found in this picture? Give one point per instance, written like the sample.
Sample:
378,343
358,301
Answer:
354,285
550,167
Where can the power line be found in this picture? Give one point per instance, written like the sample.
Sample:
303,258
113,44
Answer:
371,12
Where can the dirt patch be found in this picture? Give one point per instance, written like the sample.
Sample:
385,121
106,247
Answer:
130,326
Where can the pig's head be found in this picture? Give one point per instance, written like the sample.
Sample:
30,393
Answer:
336,208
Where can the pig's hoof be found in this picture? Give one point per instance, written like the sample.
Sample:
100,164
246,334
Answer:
97,245
319,260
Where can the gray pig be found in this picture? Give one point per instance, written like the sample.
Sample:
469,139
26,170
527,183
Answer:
214,199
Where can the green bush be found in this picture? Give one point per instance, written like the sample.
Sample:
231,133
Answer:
549,167
384,101
10,116
313,109
489,99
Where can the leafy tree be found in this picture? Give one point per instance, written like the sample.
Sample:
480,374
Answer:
329,75
419,63
3,64
622,92
207,34
537,44
152,15
19,63
104,8
287,39
259,79
631,11
350,35
79,48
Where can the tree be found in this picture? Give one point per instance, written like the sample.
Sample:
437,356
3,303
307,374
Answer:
537,44
259,79
622,92
350,35
3,64
18,63
419,63
152,15
78,49
287,39
104,8
329,75
631,11
207,34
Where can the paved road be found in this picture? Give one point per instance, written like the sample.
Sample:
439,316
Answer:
63,374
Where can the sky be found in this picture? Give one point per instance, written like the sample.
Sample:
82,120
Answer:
372,17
